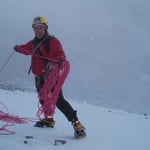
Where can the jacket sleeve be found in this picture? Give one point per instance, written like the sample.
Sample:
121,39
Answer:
56,50
25,49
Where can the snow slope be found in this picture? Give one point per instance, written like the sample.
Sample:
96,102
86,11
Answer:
107,129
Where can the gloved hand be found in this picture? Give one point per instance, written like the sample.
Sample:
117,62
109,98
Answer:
16,48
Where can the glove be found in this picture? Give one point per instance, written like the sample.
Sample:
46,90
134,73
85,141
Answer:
16,48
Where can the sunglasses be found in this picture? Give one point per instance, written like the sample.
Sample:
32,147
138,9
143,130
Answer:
39,26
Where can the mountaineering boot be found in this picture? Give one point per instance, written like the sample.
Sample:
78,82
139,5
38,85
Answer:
48,122
79,130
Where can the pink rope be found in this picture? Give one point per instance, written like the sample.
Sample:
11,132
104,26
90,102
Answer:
3,66
50,90
10,120
49,94
35,55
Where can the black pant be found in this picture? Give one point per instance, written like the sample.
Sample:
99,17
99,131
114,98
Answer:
61,104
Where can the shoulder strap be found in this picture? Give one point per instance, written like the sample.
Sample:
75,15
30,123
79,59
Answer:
46,42
36,48
39,43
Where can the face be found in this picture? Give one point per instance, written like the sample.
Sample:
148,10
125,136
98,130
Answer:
39,30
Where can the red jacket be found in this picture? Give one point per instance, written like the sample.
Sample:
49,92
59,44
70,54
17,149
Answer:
38,65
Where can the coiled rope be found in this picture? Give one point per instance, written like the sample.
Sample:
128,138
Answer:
10,120
51,88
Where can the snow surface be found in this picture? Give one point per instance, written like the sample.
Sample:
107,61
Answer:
107,129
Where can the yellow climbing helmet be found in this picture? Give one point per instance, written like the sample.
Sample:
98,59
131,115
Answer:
40,20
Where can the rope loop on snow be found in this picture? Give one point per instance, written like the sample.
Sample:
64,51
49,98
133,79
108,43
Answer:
10,120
